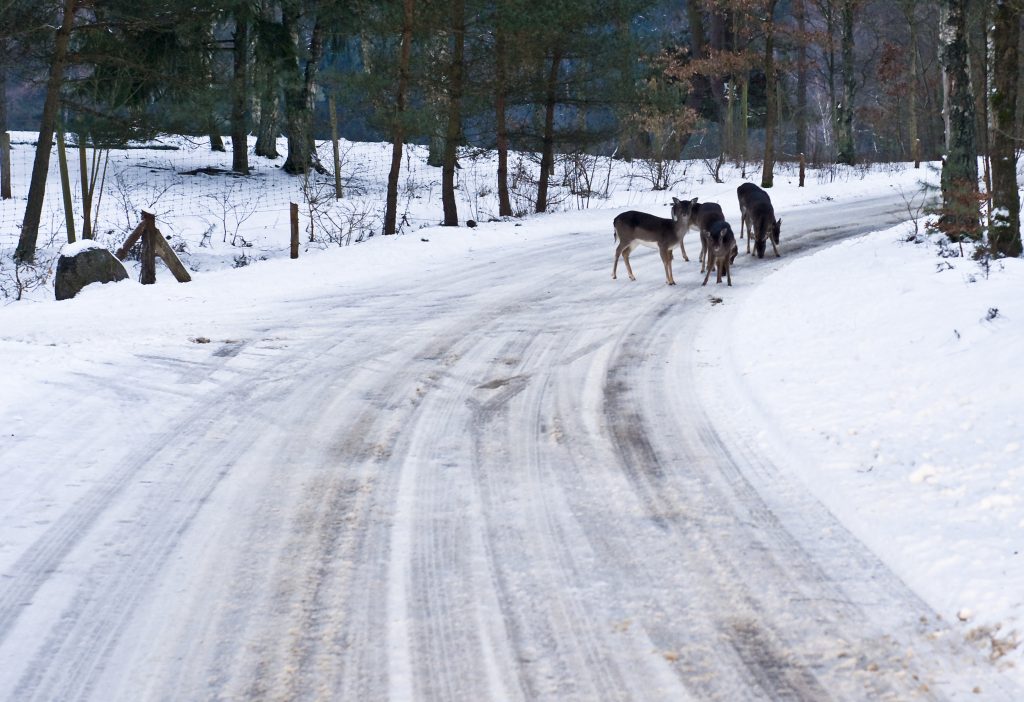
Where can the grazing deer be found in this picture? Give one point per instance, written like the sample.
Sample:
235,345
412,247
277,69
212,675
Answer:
634,228
721,251
758,216
701,217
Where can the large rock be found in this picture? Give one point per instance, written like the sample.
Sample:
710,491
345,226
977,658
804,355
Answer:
83,263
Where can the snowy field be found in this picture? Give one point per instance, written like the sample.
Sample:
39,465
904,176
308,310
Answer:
883,372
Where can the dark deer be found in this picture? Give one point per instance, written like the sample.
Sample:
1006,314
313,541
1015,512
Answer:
758,216
703,217
634,228
721,251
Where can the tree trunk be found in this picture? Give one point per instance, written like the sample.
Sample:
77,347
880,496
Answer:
547,158
65,182
267,79
298,99
240,96
977,19
700,93
269,104
453,127
87,183
845,149
4,49
398,125
5,147
960,168
744,125
830,70
1005,235
718,41
771,98
332,109
914,79
500,90
26,250
800,9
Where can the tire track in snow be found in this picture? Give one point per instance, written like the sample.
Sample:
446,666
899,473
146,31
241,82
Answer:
492,497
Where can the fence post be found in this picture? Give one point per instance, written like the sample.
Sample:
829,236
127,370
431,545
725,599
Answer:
917,153
803,168
5,166
147,276
65,182
295,229
337,150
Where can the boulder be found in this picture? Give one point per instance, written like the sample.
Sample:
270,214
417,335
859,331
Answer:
84,263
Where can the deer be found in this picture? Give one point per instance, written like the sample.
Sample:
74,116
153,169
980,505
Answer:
633,228
703,217
721,250
758,216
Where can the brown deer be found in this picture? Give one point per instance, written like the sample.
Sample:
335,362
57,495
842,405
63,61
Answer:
633,228
758,216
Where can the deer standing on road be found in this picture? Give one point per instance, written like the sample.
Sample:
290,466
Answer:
721,250
704,217
758,216
634,228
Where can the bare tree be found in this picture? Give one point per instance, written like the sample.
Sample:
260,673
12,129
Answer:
771,86
501,78
1005,233
960,167
397,123
26,250
240,93
845,145
453,122
299,87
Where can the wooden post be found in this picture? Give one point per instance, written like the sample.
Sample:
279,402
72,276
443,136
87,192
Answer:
5,166
803,168
331,107
147,276
153,245
917,153
162,249
83,169
65,182
295,229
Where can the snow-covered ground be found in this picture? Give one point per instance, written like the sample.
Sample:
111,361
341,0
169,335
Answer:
882,375
894,376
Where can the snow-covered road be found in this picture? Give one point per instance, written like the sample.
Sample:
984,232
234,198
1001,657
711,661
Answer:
501,477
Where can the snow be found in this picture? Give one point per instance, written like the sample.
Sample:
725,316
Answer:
79,246
882,376
897,381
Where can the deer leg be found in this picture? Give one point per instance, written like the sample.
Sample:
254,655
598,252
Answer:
774,247
703,250
749,237
683,248
625,257
666,259
618,252
707,275
728,273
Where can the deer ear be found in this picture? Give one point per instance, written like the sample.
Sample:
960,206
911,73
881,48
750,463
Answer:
779,223
675,201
